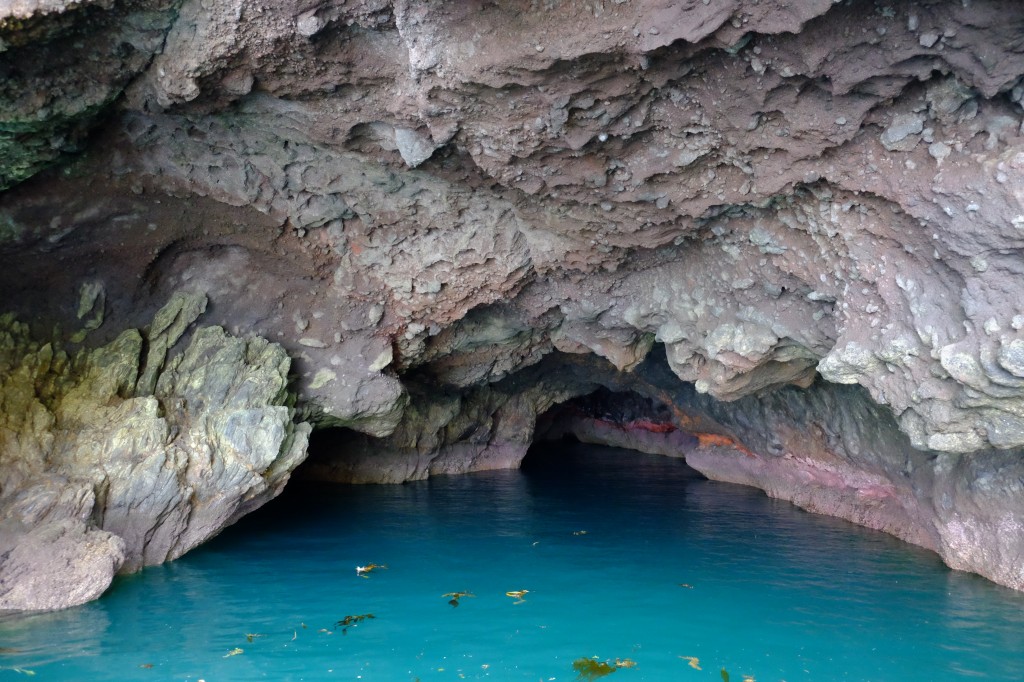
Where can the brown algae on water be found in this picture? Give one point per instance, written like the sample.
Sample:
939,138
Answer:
365,571
518,595
456,596
592,669
351,621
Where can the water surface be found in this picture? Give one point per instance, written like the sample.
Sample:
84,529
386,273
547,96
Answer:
623,555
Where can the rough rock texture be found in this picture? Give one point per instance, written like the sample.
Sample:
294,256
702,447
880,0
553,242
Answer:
62,63
434,207
113,459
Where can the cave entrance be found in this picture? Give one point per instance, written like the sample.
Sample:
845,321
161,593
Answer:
595,424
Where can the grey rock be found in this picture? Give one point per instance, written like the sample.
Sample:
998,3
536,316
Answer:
168,325
414,147
51,555
309,24
100,474
902,127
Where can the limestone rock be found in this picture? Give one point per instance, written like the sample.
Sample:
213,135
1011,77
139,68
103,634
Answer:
100,474
170,323
51,555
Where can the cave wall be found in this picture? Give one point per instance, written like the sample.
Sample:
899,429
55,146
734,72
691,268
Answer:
440,209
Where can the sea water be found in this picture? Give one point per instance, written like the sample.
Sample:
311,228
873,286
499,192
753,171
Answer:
618,555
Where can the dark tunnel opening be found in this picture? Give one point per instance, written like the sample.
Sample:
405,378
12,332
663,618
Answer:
624,421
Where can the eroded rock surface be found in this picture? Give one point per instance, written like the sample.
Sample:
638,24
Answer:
434,207
100,473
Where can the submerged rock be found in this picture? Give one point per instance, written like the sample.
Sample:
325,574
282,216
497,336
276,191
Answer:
100,473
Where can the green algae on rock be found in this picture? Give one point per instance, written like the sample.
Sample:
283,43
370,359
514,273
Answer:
66,64
109,463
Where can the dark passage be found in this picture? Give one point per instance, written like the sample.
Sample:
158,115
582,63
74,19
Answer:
566,457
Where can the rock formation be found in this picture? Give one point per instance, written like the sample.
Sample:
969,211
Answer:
793,229
117,458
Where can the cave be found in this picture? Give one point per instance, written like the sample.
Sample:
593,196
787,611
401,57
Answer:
384,241
624,421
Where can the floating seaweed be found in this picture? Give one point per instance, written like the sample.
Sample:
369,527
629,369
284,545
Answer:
233,652
364,571
8,651
146,666
351,621
519,595
591,668
249,636
456,596
693,661
725,675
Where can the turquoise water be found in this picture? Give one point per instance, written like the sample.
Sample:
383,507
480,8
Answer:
776,593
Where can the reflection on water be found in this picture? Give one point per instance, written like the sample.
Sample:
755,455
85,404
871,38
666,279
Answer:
27,641
620,556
